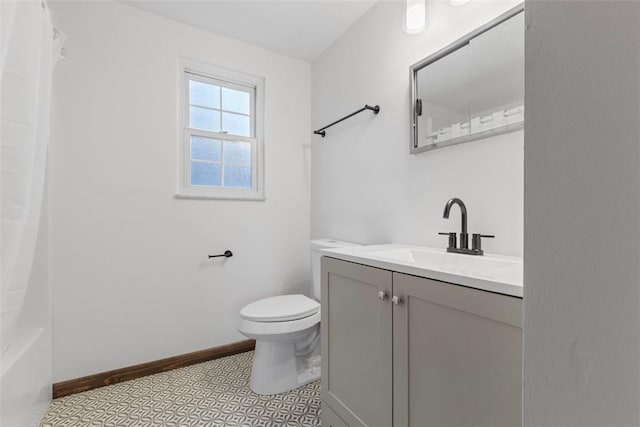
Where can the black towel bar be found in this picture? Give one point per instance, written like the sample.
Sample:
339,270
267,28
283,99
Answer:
322,133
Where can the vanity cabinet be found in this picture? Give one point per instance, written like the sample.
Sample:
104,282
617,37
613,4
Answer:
401,350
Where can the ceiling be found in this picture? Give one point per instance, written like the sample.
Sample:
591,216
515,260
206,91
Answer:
300,29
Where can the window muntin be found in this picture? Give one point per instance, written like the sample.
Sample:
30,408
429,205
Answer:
219,106
220,163
221,140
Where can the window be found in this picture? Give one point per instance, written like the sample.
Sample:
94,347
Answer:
221,144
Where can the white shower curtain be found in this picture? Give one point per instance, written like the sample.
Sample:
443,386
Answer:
25,90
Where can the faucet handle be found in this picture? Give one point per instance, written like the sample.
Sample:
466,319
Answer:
476,241
453,240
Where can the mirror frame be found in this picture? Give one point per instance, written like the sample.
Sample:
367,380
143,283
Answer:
459,43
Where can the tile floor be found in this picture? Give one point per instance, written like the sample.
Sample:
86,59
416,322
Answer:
214,393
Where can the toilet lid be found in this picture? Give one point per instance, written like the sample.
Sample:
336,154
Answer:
280,308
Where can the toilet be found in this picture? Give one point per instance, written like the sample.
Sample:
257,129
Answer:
287,333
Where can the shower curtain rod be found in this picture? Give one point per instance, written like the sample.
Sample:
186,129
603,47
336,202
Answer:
321,131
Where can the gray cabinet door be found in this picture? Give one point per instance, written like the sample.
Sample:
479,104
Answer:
330,418
357,343
457,355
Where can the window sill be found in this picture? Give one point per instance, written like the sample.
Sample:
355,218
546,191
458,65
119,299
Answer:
247,198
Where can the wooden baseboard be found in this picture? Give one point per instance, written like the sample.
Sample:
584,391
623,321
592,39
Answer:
115,376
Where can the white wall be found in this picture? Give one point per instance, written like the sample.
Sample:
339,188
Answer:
366,187
582,214
131,278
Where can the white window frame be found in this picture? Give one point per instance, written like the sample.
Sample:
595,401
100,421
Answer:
207,73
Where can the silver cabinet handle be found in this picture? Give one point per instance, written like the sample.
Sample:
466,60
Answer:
396,300
382,295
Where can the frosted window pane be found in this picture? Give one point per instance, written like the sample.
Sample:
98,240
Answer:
206,149
236,101
237,176
204,94
237,152
205,174
236,124
200,118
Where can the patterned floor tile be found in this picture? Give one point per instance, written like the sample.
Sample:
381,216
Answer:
214,393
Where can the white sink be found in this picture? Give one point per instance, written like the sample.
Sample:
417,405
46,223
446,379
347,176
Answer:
431,258
495,273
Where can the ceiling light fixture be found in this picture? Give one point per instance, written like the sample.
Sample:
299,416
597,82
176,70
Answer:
415,19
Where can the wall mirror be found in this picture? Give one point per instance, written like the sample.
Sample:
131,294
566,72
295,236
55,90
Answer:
471,89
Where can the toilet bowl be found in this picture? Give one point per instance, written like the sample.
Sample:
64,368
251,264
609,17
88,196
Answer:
286,354
287,333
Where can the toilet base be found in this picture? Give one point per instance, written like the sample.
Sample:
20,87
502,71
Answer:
277,368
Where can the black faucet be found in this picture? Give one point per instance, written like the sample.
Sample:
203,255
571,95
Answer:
476,247
464,236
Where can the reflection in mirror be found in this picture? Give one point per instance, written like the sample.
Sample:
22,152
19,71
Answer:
443,88
473,88
497,81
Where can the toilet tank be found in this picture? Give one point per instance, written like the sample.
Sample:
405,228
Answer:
316,246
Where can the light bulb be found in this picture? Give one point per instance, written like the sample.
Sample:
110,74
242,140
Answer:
415,20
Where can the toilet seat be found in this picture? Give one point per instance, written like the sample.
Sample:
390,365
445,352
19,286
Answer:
282,308
276,331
